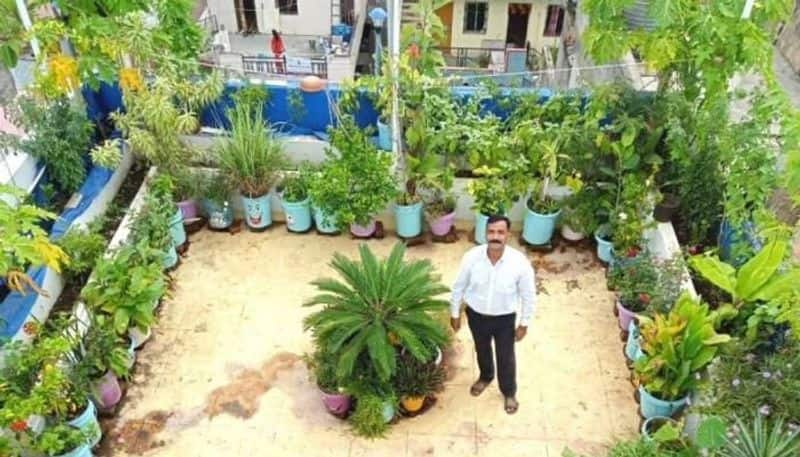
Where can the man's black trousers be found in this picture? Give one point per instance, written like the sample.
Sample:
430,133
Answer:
484,328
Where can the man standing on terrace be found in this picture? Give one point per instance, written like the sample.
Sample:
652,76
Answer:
494,279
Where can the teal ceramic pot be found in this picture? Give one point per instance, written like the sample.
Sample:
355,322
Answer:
257,211
537,229
298,215
408,219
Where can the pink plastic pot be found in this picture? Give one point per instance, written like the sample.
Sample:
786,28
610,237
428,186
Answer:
363,231
442,225
337,404
107,390
188,209
624,316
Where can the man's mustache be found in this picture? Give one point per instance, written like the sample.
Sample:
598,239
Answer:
495,241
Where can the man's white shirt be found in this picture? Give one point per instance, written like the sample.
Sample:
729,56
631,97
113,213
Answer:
496,289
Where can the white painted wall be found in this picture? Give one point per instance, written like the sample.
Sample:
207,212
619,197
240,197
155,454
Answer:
225,12
313,18
497,24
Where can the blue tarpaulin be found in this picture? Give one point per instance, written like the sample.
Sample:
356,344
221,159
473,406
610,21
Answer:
14,310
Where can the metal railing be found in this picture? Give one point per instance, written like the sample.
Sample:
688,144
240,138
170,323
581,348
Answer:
276,66
480,58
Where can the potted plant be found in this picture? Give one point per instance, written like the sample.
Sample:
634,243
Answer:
59,134
358,179
155,227
156,115
328,189
766,279
578,217
24,243
293,191
251,157
400,299
61,440
103,360
127,286
188,187
539,169
676,347
636,281
415,380
323,366
492,194
216,201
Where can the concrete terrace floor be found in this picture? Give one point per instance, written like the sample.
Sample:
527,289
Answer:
222,375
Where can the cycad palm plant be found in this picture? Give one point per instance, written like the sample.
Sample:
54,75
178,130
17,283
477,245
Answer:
251,156
376,299
758,440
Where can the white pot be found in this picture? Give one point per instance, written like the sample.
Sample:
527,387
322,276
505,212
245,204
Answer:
138,338
570,234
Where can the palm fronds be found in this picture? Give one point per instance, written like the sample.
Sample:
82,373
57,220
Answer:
376,298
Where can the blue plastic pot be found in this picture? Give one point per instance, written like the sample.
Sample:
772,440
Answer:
325,223
604,248
220,217
384,136
298,215
83,451
176,229
408,219
633,349
538,228
170,258
480,228
652,407
257,211
87,422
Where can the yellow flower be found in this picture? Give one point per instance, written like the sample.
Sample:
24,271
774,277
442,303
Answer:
64,70
130,79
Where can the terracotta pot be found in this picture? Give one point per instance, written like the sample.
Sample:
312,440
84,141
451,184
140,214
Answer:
412,404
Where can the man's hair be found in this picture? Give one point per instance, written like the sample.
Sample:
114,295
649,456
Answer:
497,218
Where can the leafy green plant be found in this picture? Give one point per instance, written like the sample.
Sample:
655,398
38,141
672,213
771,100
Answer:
760,282
368,420
322,364
491,191
103,350
188,184
83,246
375,299
107,154
127,288
757,439
150,226
217,188
252,155
24,243
355,182
60,439
415,378
59,135
294,187
676,347
744,380
254,96
645,283
155,118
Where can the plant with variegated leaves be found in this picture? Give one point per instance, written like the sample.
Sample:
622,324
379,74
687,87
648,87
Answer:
677,346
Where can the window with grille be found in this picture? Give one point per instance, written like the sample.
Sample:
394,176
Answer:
555,20
475,14
287,6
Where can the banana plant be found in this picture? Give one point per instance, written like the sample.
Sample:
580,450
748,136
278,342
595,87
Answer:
676,347
760,282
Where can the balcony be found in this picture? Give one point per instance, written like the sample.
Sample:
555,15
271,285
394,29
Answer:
281,66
